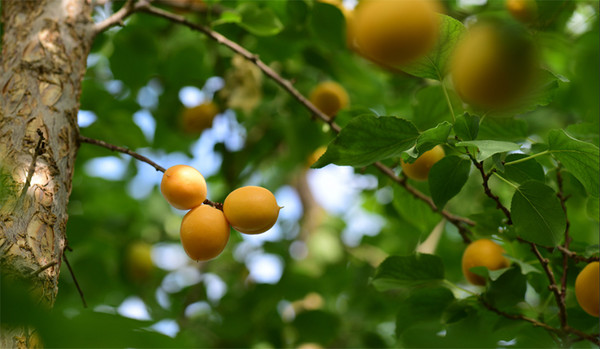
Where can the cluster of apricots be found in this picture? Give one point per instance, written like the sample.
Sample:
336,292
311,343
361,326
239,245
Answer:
492,66
205,229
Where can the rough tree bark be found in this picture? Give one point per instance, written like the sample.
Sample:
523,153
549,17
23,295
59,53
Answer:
43,60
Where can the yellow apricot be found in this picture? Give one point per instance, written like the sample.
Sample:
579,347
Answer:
138,260
199,118
251,210
312,158
329,97
183,187
395,32
204,233
482,253
587,289
419,170
493,65
522,10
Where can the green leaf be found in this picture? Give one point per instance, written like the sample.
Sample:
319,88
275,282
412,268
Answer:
592,208
523,171
367,139
430,138
466,126
434,65
487,148
228,16
526,268
505,129
537,214
258,21
508,289
580,158
327,22
414,211
423,305
401,272
447,177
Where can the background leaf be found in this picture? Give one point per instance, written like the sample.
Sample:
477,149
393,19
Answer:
398,272
367,139
447,177
580,158
430,138
488,148
466,126
537,214
258,21
522,171
434,65
423,305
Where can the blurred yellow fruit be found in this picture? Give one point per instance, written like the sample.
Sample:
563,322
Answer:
183,187
316,155
522,10
419,170
251,209
138,260
329,97
482,253
395,32
204,233
197,119
587,289
493,65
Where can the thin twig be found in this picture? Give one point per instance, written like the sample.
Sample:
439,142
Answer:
39,149
459,222
576,257
486,188
140,157
64,255
118,17
51,264
122,150
563,279
519,317
560,301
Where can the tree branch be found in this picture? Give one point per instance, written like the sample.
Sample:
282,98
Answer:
560,300
488,191
118,17
122,150
535,322
459,222
577,257
140,157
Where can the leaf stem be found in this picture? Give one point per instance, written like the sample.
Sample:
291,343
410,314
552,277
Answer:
453,285
504,180
448,101
514,162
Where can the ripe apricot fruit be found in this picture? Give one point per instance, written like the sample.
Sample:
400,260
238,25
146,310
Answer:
395,32
484,253
522,10
329,97
204,233
587,289
419,170
251,210
199,118
183,187
315,155
138,260
494,64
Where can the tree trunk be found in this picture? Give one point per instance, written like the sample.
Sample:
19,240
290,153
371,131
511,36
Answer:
44,51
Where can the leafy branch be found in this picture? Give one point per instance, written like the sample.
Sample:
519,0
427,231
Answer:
460,222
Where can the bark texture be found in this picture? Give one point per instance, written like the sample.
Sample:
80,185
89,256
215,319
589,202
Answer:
44,51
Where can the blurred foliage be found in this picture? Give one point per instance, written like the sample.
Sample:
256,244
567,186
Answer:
330,294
